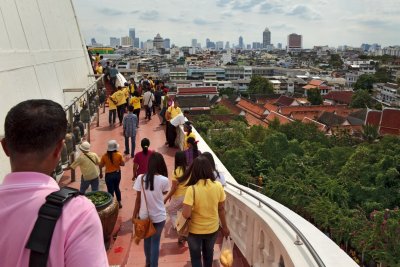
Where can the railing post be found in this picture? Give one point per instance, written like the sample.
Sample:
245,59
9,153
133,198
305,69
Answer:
88,125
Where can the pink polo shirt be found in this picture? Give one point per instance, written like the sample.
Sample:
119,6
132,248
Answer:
78,235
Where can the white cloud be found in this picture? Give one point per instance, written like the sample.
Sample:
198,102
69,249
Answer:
319,21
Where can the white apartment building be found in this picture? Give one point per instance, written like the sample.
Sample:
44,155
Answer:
388,93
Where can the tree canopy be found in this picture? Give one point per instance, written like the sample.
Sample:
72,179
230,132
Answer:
314,96
361,99
260,85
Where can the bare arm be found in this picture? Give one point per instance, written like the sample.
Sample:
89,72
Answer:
135,167
101,170
172,191
186,211
137,205
221,214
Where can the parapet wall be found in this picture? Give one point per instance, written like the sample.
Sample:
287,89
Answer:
42,53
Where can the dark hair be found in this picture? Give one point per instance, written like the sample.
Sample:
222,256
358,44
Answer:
130,108
110,156
211,159
35,126
189,127
180,161
200,169
136,93
145,143
193,143
156,165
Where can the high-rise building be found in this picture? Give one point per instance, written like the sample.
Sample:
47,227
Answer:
279,46
207,43
93,41
257,45
295,42
114,41
219,45
194,42
126,41
266,38
227,45
158,42
241,44
167,43
136,42
132,34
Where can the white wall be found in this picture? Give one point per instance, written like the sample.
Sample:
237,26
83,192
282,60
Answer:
42,52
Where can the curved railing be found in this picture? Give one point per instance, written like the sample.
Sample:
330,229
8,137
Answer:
274,235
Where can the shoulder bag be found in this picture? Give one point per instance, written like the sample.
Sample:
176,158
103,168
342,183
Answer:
144,228
182,224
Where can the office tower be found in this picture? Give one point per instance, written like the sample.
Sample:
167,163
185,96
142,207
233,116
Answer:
207,43
167,43
194,42
141,45
227,46
266,38
132,34
256,45
241,44
93,41
136,42
295,42
279,46
158,42
219,45
114,41
126,41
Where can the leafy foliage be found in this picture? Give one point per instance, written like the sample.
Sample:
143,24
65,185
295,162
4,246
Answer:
350,190
314,96
260,85
361,99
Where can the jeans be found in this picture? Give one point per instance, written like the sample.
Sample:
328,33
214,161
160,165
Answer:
202,244
120,111
112,116
162,114
112,181
94,184
152,245
137,112
133,144
148,112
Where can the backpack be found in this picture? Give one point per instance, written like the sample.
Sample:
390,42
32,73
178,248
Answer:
40,239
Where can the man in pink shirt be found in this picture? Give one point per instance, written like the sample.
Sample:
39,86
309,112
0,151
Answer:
34,137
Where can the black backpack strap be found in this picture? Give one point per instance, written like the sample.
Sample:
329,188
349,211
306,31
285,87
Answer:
40,238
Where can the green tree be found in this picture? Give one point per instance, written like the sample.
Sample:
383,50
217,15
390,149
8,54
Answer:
361,99
365,82
370,132
382,75
314,96
220,110
260,85
336,61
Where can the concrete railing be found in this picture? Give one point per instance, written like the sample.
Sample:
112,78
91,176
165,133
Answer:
269,234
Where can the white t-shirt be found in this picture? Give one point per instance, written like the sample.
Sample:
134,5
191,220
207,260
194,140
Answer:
155,198
221,178
148,98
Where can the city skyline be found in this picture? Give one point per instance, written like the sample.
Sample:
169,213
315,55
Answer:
320,22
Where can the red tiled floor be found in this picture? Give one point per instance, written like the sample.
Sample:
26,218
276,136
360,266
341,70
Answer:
123,251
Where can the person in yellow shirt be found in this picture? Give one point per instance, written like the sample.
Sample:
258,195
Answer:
99,68
119,96
112,161
204,204
135,102
88,163
112,110
178,189
171,113
187,127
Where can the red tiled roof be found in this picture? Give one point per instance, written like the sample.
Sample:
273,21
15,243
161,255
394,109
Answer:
299,116
390,121
197,90
228,104
315,82
282,119
322,127
251,107
342,97
373,117
270,107
285,101
252,120
309,86
289,110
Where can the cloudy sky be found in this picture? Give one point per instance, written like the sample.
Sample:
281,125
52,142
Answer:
321,22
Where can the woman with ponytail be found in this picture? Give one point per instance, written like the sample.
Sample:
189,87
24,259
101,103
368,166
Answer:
187,127
192,151
141,159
